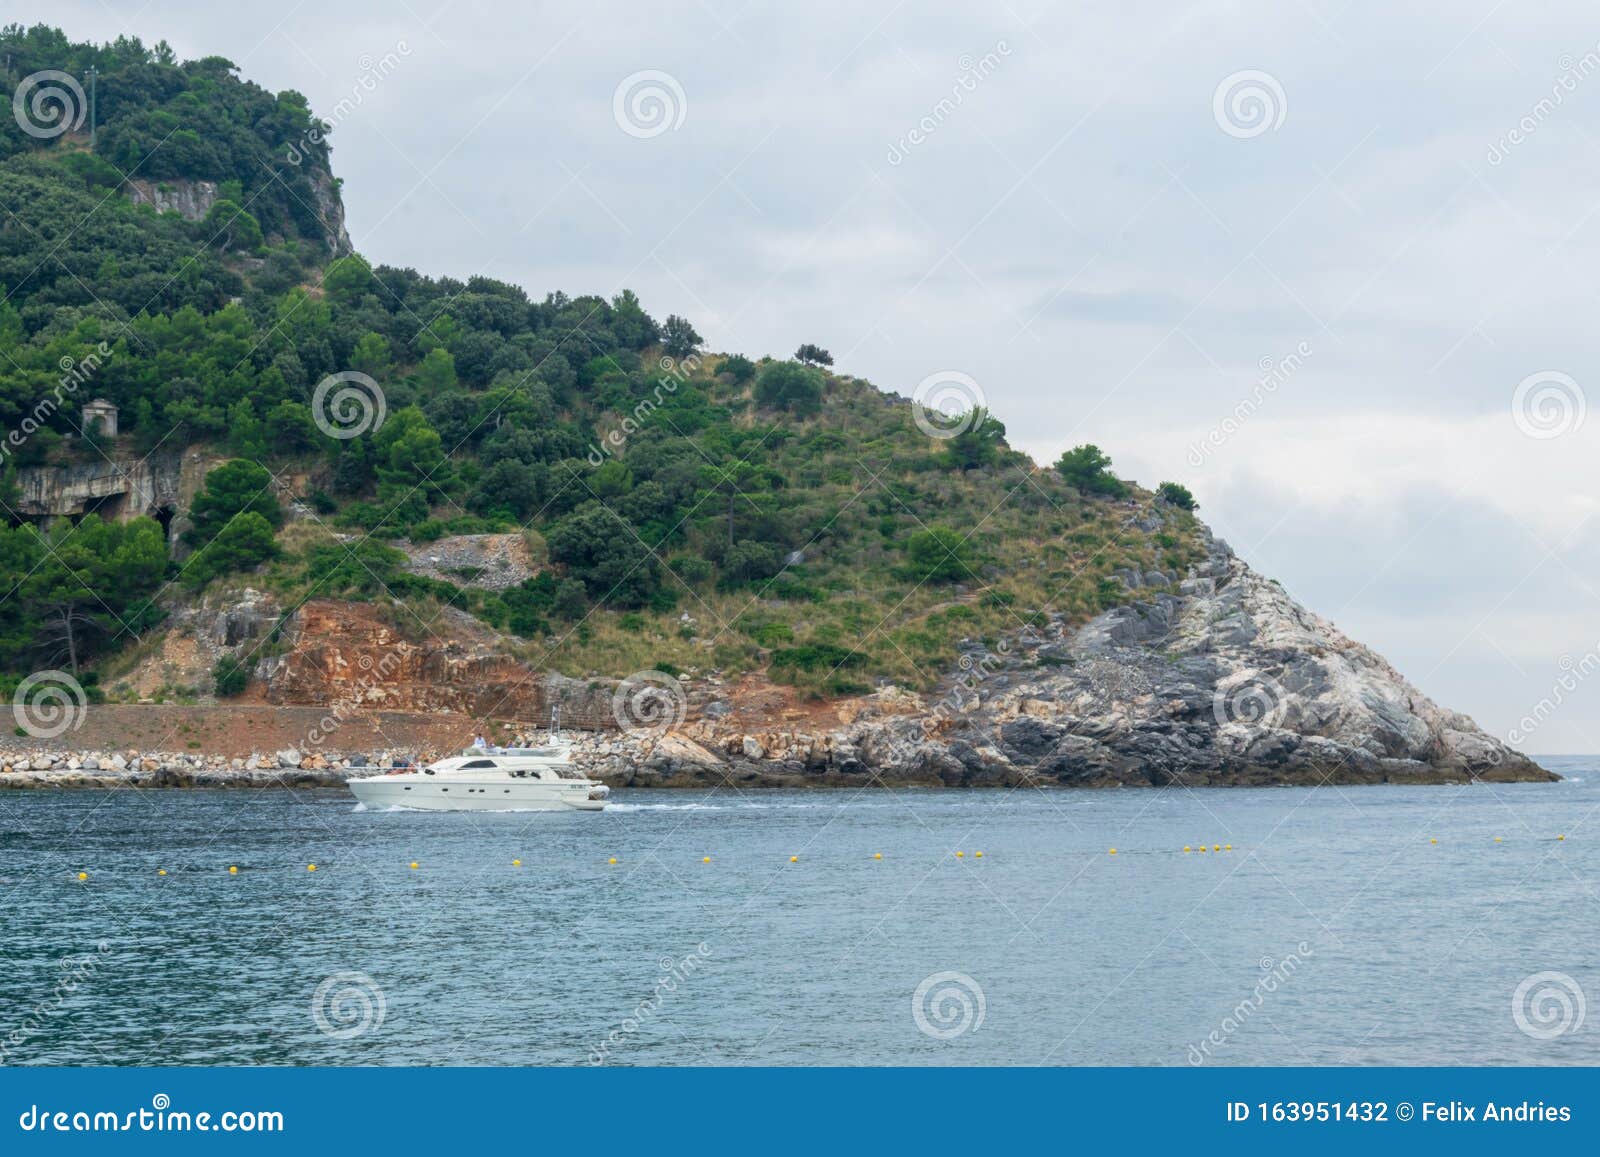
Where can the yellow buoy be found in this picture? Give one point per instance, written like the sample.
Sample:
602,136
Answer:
83,875
311,867
1112,852
1561,837
705,859
1187,848
1202,847
1433,841
414,864
161,871
233,870
612,860
960,855
877,855
1227,847
794,859
516,863
979,855
1497,839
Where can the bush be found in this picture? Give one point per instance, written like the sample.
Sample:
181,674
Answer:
1089,469
245,542
1176,494
790,386
231,677
939,554
738,367
816,657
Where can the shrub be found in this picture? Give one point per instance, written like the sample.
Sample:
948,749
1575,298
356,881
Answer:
1176,494
1088,468
939,554
231,677
790,386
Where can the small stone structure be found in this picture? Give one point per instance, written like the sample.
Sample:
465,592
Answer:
100,418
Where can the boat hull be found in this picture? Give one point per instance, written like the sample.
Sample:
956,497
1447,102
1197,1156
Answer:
426,793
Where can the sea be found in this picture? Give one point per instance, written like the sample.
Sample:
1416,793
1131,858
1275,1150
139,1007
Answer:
1275,926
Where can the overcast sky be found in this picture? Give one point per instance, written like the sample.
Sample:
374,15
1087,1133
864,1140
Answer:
1112,216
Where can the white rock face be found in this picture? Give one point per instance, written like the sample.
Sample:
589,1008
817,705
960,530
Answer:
1230,681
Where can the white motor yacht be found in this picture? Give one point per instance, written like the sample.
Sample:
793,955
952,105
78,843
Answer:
489,779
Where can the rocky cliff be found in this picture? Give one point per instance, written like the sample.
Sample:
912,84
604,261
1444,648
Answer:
1228,681
159,485
1224,681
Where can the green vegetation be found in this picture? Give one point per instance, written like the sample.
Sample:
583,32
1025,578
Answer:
799,518
1087,468
1176,494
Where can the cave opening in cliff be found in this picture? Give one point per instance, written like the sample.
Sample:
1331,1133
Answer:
107,506
164,515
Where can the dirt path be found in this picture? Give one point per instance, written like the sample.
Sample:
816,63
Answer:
241,730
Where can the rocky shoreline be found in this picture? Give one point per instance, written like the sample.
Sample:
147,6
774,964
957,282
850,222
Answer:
1220,679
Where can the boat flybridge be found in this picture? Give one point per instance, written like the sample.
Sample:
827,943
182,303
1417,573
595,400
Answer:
484,778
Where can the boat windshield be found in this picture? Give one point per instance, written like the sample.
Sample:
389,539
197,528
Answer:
536,752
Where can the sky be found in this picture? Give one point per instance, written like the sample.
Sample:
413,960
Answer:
1331,265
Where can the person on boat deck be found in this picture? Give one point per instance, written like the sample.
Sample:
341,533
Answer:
479,743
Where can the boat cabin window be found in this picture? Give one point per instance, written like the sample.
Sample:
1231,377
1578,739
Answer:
477,763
